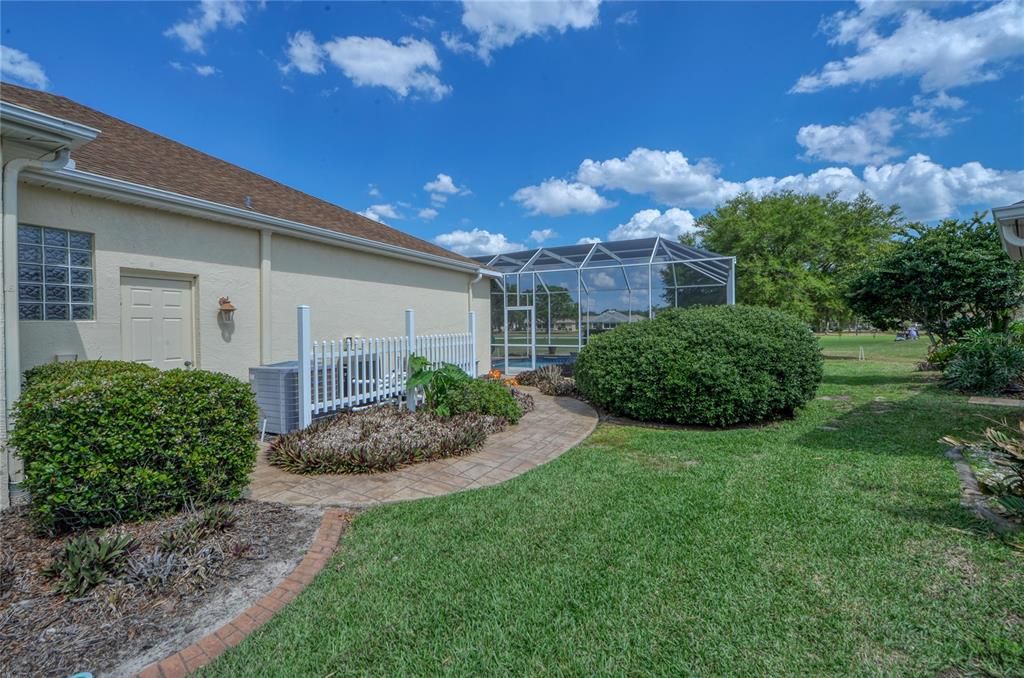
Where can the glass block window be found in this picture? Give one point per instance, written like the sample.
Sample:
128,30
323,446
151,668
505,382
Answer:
55,274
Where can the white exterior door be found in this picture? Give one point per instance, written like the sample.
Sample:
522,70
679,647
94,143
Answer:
156,322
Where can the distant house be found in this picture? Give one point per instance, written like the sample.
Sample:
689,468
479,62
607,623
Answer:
1011,227
610,319
123,244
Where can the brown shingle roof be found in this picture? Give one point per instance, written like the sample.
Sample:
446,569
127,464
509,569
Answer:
127,152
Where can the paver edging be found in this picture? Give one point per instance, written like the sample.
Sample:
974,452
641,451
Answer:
209,647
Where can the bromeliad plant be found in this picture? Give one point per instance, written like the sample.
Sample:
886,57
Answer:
86,561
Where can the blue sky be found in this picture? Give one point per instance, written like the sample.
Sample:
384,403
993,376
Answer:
486,126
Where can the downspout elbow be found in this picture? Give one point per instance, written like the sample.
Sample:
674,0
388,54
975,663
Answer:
469,289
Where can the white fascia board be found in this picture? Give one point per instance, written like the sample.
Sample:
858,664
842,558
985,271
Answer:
1008,213
56,129
125,191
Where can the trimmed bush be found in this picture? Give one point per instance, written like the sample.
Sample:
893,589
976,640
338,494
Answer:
379,439
132,443
710,365
985,362
481,396
83,369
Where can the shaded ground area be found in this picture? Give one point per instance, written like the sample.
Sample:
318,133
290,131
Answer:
834,543
119,626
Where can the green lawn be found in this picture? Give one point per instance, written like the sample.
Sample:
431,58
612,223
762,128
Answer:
788,549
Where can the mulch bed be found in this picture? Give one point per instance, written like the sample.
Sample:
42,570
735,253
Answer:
122,624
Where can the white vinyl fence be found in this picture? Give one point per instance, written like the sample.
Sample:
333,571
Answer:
340,374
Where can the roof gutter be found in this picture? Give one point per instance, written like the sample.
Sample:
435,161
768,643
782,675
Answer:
1010,221
116,189
66,133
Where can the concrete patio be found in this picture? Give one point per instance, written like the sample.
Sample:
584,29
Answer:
556,425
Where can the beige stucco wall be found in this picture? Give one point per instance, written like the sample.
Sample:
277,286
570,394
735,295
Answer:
222,259
357,294
350,293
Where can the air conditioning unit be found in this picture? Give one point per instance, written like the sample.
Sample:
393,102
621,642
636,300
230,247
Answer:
277,395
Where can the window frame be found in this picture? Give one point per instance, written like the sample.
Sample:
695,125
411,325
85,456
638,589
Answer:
56,259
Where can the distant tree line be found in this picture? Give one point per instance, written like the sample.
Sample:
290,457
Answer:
832,262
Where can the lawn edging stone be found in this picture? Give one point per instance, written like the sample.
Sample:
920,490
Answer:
210,647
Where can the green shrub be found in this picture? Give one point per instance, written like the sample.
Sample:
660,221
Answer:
131,445
379,439
985,362
941,355
483,396
83,369
437,381
711,365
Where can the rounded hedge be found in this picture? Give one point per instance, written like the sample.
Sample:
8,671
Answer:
132,444
709,365
82,369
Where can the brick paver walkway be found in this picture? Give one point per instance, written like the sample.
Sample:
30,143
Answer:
556,425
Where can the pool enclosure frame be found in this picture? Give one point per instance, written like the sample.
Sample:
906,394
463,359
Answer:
623,269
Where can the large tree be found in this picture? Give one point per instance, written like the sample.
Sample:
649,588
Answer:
949,278
793,251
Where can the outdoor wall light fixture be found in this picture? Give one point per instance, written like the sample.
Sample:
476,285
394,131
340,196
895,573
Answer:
226,309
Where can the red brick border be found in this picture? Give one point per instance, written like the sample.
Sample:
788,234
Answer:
208,648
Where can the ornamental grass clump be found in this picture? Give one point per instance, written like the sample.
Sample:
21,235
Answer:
380,439
711,365
551,380
111,444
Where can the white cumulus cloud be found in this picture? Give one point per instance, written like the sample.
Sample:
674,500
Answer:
409,66
16,65
204,70
476,242
671,224
501,24
588,240
443,183
669,176
381,212
906,40
542,235
304,54
428,213
866,140
924,188
558,197
205,19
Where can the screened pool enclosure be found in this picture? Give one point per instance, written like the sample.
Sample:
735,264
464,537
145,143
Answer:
551,300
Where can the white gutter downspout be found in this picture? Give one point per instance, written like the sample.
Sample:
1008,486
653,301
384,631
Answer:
266,271
9,338
469,288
